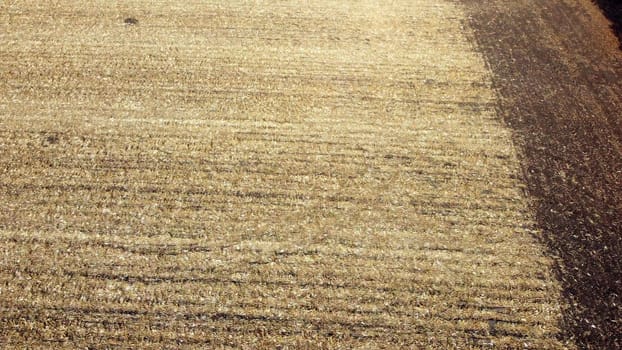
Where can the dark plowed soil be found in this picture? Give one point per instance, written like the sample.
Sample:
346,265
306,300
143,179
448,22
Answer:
558,70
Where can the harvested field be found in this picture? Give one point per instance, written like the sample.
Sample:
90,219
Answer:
260,174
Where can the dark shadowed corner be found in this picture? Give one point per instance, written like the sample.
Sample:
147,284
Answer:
560,87
613,10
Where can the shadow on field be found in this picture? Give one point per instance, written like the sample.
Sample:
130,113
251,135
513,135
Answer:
613,11
561,93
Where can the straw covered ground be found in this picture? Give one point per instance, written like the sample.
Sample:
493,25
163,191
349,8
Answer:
318,174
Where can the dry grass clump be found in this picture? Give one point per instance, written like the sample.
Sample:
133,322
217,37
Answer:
254,175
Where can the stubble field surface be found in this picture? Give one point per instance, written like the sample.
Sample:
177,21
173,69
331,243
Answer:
259,174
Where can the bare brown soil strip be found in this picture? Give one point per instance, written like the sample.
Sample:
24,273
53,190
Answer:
236,174
559,72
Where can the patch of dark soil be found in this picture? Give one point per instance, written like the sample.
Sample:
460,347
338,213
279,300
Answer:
561,92
613,11
131,21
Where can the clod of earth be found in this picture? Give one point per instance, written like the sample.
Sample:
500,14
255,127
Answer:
130,21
